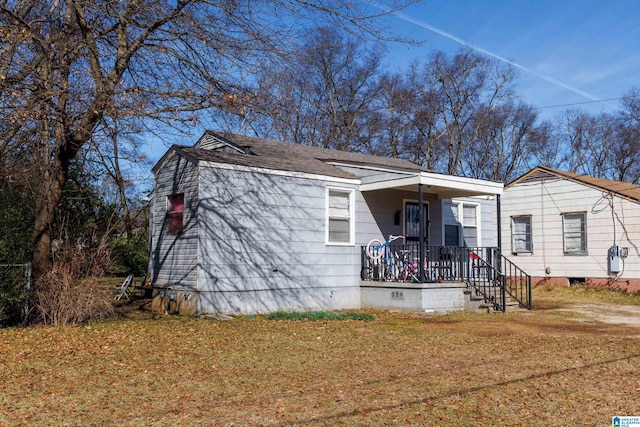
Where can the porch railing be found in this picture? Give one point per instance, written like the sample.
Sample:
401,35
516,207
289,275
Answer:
484,269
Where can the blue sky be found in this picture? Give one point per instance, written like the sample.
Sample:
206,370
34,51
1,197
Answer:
566,52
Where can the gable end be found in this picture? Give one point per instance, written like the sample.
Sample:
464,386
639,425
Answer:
210,141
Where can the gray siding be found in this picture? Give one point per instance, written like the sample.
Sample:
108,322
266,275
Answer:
262,245
174,257
376,221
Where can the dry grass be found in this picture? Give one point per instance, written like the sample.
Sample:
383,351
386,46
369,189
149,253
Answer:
399,369
546,295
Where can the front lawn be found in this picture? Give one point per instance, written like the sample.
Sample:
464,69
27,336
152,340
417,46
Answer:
526,368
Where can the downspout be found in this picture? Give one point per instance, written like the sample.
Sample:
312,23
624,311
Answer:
421,230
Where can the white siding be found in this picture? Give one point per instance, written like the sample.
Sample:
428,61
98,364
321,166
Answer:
546,201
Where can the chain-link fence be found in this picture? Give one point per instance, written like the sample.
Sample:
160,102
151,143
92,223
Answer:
15,284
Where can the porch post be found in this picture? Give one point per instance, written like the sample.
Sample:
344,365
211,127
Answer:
421,230
498,261
499,215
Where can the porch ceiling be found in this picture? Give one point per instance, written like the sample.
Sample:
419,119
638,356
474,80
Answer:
445,186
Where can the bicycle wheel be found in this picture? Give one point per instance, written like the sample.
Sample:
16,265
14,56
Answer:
375,250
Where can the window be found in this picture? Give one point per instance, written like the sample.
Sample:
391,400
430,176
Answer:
470,225
451,224
460,217
521,234
175,213
574,233
340,228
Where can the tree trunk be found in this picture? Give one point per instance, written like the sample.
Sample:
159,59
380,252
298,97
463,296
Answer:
45,214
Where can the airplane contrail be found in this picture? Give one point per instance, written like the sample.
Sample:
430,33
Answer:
484,51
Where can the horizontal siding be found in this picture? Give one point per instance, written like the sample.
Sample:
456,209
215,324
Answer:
376,221
174,257
265,232
269,300
487,220
546,201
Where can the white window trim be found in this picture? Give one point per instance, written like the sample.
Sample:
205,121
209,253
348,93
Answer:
513,249
460,215
352,214
586,237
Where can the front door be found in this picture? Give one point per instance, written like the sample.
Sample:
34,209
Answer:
412,222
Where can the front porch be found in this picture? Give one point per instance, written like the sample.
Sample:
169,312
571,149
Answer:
444,244
441,278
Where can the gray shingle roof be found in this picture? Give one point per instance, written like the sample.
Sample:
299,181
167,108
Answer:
276,155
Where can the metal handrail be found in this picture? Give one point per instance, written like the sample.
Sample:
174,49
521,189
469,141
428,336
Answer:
484,269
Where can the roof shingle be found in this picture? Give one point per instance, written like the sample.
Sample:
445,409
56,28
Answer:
622,189
277,155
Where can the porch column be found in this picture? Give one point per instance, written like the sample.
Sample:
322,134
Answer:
421,230
498,261
499,215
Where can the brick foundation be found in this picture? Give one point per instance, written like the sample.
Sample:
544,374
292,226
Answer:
622,284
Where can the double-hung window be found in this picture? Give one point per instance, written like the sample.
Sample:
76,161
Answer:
521,241
175,213
460,217
574,233
451,224
470,225
340,216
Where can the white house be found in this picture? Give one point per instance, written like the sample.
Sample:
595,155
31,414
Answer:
244,225
566,228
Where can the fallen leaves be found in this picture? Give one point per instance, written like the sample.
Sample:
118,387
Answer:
398,368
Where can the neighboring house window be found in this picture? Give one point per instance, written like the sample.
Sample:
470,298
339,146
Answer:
460,217
175,213
340,218
521,234
574,233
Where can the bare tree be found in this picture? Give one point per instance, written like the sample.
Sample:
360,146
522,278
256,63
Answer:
68,64
115,148
427,147
387,128
465,88
505,140
322,95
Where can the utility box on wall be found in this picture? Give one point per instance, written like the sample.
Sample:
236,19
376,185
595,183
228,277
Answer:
615,262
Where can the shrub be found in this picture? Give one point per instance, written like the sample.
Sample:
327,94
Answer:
13,295
72,292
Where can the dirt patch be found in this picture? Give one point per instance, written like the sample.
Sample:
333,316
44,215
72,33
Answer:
138,309
628,315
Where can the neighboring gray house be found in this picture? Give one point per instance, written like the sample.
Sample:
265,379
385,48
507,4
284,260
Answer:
565,228
243,225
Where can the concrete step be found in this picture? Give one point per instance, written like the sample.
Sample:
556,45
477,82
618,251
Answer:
476,303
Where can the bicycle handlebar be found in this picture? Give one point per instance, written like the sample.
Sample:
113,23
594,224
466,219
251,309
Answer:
392,238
